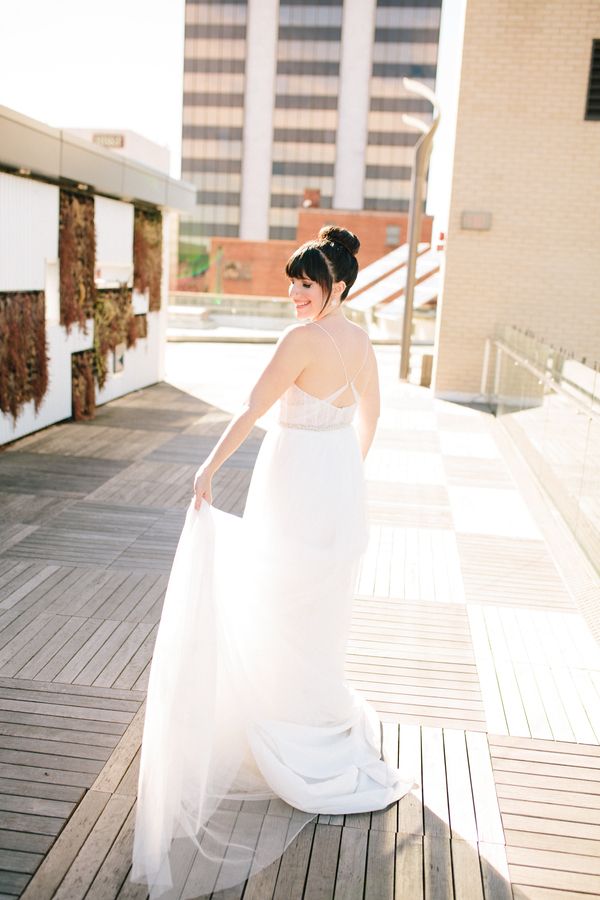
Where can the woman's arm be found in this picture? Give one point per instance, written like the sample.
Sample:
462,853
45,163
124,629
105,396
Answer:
288,361
369,408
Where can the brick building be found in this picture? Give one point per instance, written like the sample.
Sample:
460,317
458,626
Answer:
256,268
518,144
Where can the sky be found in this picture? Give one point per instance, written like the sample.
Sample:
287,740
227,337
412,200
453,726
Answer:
103,64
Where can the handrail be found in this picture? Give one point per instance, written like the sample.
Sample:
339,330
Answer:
548,379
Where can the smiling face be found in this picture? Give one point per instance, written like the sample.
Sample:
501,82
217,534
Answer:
307,297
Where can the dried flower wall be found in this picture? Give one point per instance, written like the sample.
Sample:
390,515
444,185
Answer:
77,254
138,328
113,312
23,350
83,384
147,254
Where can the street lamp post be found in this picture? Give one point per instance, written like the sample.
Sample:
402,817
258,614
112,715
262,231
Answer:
421,161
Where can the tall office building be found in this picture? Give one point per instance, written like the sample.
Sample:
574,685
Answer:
281,96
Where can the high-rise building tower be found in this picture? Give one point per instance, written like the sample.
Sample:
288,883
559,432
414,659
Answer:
285,96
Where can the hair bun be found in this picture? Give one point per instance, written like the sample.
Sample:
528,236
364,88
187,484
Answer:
340,236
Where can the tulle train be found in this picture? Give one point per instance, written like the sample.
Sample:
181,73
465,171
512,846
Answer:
251,729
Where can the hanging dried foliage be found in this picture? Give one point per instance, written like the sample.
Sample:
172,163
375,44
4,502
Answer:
114,323
113,311
138,328
77,253
82,385
23,350
147,254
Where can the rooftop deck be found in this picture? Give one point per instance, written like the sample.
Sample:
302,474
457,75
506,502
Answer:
467,637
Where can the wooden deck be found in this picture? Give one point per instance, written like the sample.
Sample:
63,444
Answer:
466,636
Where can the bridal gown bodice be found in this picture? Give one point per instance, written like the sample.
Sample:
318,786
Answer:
251,727
298,409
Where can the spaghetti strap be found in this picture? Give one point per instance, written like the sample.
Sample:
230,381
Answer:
338,350
366,356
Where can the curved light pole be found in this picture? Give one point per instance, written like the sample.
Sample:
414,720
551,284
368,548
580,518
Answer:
421,161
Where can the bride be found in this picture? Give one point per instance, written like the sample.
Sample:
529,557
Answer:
251,729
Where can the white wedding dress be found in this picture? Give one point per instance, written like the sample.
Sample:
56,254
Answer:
250,728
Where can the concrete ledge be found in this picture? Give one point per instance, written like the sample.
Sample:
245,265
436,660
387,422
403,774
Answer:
29,147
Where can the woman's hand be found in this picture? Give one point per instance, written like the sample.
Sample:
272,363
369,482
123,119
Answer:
202,487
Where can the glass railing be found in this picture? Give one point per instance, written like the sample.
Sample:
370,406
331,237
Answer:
550,404
228,314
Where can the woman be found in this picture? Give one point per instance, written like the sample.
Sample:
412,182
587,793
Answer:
251,729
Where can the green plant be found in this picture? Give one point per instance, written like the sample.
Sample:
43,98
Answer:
77,254
147,254
23,350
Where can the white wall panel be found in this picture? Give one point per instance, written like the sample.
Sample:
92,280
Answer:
114,240
28,232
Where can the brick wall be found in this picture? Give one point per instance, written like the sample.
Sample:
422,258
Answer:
369,227
253,267
525,153
258,267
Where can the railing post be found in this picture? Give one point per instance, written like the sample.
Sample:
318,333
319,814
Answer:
485,368
421,161
497,374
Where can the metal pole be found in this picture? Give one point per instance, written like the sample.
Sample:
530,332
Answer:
421,161
485,368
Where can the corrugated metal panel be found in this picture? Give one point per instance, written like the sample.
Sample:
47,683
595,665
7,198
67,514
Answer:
114,240
28,232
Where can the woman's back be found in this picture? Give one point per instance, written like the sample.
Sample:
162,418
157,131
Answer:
340,362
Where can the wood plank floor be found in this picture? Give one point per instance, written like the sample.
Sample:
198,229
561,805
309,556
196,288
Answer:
466,637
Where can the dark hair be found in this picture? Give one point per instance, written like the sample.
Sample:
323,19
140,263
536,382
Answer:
329,258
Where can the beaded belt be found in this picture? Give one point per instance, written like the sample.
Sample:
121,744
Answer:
335,427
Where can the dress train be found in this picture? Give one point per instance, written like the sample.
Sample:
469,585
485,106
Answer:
251,729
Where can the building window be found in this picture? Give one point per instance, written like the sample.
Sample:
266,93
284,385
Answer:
592,109
392,235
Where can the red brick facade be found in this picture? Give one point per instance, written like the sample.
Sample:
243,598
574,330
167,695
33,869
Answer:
252,267
258,267
369,227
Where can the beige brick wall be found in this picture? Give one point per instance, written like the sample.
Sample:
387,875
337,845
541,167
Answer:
525,153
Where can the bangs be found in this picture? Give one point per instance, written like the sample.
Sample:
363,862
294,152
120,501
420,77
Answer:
308,262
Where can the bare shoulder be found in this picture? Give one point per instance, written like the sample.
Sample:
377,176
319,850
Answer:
294,341
362,338
294,335
305,334
358,329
